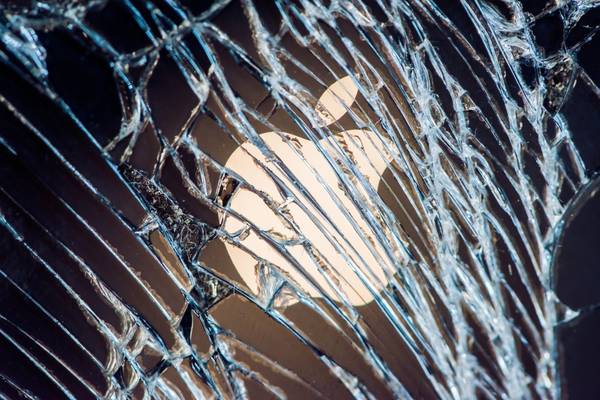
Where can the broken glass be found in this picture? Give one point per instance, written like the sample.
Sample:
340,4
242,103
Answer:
293,198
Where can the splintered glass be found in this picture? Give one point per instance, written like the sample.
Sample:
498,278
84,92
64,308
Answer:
298,199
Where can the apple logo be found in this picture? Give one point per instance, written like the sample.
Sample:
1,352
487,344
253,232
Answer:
312,216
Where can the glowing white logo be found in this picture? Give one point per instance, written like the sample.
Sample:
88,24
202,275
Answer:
316,219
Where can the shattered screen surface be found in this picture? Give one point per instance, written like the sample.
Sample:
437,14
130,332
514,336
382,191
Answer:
299,199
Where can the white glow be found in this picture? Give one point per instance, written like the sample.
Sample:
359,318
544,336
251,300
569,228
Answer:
303,160
335,101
